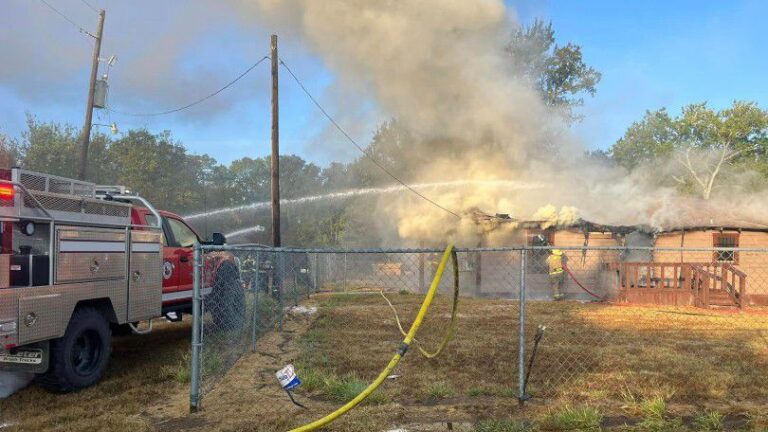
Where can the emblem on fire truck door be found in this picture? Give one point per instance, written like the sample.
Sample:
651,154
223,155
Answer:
167,269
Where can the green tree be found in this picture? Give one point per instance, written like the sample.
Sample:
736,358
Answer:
336,176
318,227
558,72
9,152
159,168
704,145
298,178
155,166
53,148
391,149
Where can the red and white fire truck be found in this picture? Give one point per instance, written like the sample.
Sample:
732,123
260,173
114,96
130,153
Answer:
79,262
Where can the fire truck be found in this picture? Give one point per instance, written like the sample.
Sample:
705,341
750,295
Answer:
81,262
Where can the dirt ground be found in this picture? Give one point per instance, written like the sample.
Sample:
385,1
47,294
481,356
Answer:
598,368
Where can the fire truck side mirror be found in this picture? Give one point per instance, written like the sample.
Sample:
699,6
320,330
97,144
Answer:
218,239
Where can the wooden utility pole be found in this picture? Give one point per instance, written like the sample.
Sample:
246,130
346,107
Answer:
85,138
275,149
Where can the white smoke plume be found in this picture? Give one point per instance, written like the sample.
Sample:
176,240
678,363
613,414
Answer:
440,68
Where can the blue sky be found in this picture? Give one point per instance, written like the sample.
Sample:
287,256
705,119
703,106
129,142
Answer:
652,54
657,54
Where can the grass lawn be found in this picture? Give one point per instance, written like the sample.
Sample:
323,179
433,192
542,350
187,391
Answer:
599,367
143,371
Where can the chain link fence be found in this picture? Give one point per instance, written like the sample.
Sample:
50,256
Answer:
683,324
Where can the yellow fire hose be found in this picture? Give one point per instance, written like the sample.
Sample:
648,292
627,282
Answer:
454,310
400,351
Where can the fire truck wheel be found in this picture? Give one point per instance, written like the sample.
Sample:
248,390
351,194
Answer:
227,299
80,357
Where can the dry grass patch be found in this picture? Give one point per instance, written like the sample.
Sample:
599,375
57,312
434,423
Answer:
598,367
589,351
628,361
143,369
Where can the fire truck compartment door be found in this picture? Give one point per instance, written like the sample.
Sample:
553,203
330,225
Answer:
42,317
90,254
145,295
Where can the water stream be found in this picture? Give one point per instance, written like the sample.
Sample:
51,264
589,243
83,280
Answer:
507,184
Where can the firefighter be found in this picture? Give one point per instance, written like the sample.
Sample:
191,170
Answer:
555,262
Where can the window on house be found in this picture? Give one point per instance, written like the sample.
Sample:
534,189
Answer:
537,237
726,240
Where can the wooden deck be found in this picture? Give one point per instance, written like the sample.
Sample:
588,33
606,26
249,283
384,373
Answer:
683,284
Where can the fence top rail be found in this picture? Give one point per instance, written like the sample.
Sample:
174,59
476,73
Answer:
269,249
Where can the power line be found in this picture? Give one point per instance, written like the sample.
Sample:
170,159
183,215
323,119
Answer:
359,147
76,25
199,101
90,6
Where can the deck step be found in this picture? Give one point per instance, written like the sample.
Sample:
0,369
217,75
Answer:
720,298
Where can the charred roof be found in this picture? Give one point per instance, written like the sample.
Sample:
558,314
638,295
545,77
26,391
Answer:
696,224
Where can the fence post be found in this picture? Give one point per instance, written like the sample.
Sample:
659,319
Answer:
295,288
521,323
309,272
344,285
422,283
254,320
197,320
315,272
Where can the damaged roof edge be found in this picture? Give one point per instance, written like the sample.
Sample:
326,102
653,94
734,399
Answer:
590,226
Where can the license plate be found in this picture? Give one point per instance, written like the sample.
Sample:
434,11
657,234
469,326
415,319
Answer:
28,357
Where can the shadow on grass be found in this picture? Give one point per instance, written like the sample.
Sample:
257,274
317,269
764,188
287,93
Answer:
682,354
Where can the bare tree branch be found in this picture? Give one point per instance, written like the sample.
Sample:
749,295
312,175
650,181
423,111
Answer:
678,179
689,166
710,184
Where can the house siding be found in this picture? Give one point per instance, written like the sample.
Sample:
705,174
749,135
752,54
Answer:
754,264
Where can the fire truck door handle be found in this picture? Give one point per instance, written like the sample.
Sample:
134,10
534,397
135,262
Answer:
184,258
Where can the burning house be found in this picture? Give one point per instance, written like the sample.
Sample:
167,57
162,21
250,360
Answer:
703,277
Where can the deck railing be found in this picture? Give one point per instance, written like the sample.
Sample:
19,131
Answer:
725,277
699,278
655,275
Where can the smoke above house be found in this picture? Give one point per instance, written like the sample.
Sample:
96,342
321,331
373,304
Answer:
440,68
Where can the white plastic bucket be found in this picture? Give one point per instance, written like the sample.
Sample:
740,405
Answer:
288,378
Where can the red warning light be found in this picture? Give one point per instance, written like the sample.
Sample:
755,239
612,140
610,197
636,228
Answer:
6,191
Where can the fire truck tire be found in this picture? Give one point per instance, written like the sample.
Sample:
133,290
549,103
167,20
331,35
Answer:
80,357
226,301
